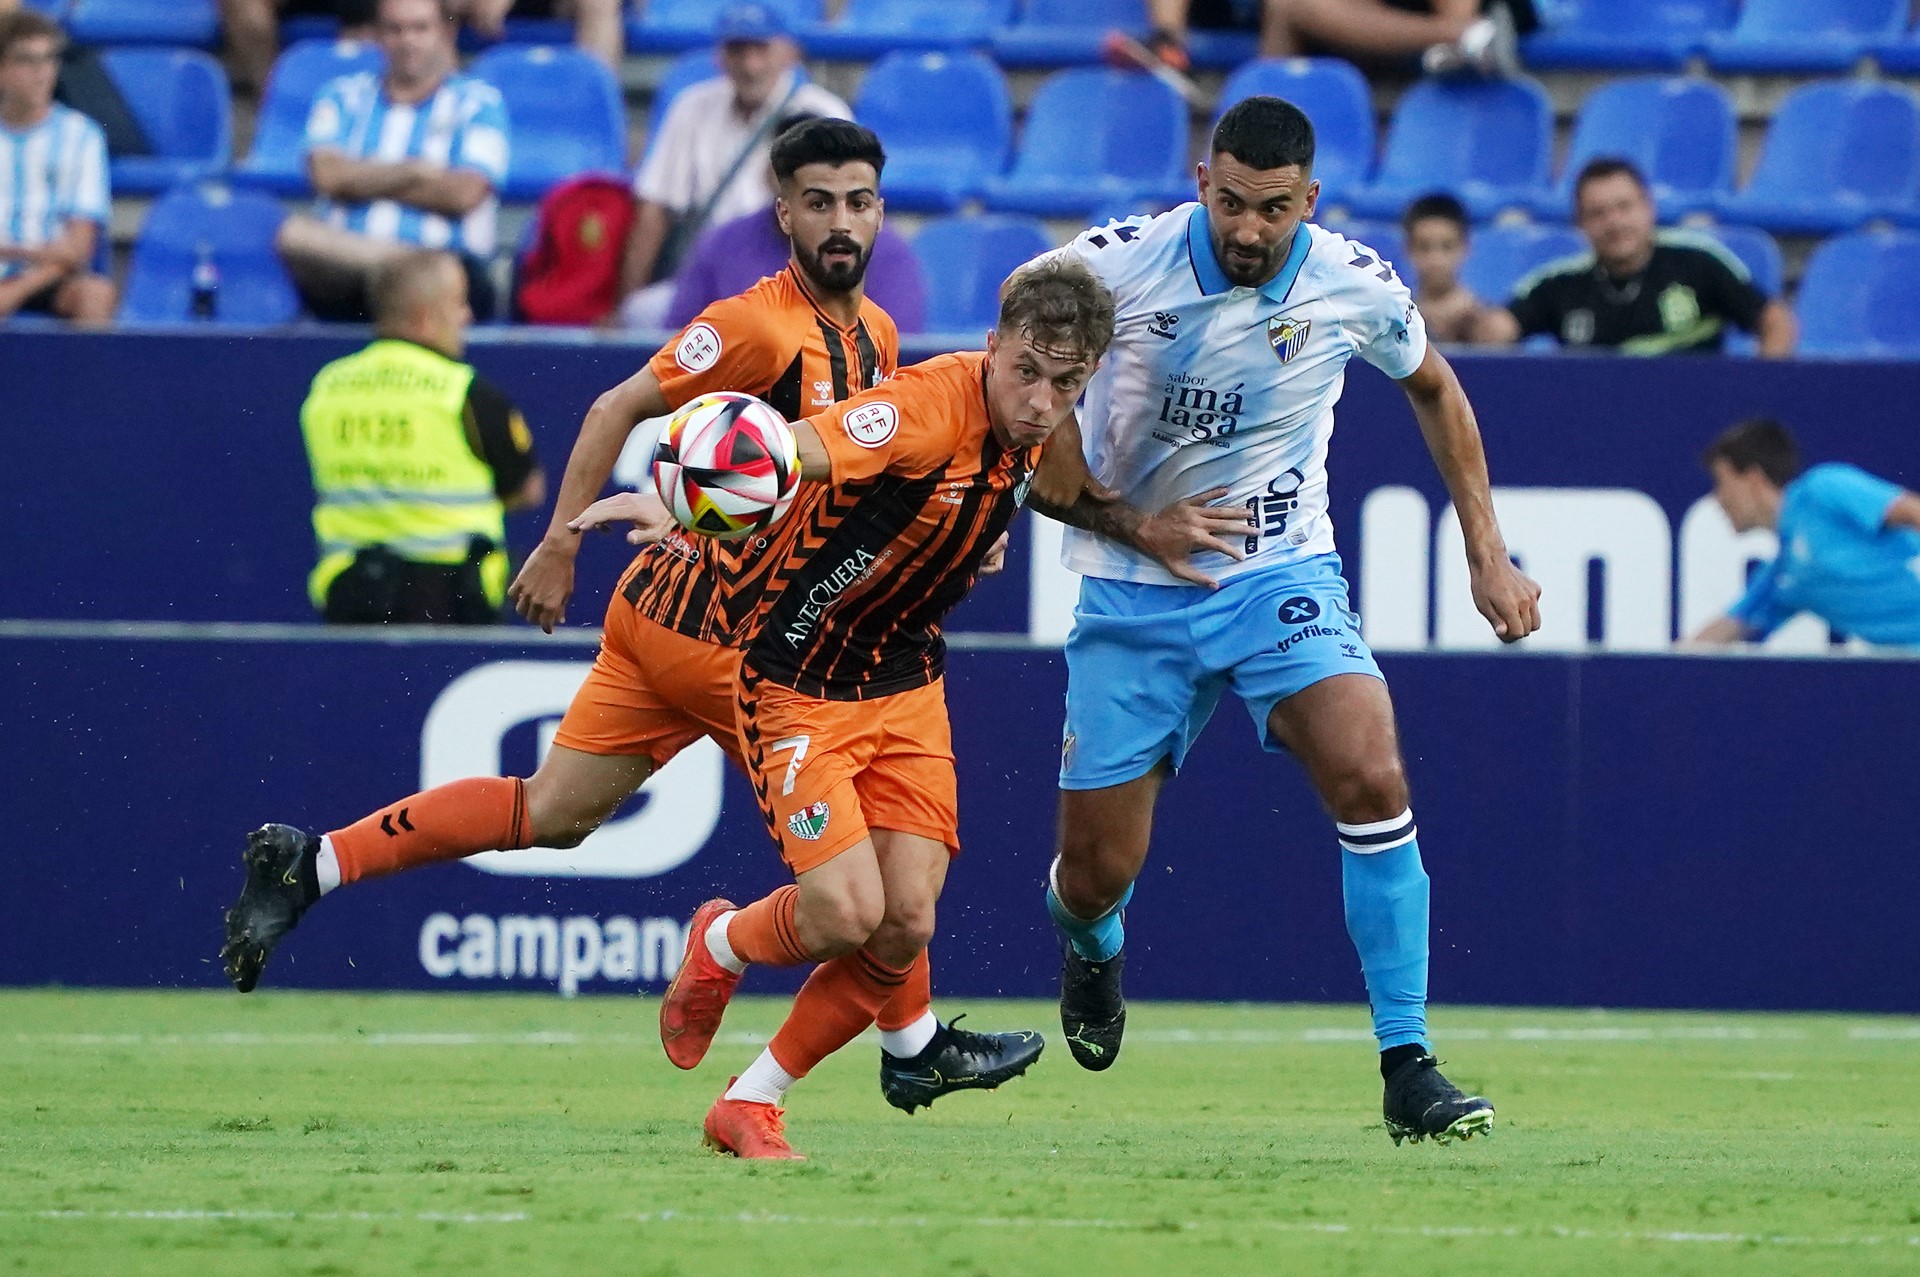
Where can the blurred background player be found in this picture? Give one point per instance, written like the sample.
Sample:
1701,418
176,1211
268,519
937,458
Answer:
409,157
842,705
1849,541
1641,290
1438,239
667,672
54,197
416,458
1150,656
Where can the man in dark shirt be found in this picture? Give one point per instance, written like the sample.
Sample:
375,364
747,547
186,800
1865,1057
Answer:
1640,290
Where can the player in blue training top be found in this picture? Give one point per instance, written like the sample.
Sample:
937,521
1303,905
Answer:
1236,320
1849,542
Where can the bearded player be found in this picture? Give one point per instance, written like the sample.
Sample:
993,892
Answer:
667,668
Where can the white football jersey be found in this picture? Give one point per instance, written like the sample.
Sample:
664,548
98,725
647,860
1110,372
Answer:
1209,385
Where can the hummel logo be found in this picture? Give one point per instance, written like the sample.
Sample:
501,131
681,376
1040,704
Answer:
1164,322
386,824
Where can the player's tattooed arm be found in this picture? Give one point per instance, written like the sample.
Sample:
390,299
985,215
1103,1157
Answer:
1507,597
1170,537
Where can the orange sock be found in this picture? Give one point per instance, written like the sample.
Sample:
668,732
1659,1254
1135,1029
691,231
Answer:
485,813
834,1006
764,931
911,1000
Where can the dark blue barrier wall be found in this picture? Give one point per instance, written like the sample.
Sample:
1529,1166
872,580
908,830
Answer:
162,477
1653,831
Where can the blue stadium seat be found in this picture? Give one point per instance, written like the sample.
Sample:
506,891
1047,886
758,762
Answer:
670,26
1804,35
946,121
1499,257
1901,54
867,29
1092,136
1758,251
1055,33
1838,154
1487,142
1627,35
1680,132
236,228
183,104
965,260
1861,296
566,113
1335,97
190,22
277,162
55,9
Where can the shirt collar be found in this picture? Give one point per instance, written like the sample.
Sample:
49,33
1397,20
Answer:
1212,280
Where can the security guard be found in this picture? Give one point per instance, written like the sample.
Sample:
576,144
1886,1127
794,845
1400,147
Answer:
415,461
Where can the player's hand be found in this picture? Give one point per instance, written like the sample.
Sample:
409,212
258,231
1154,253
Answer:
996,560
544,584
1186,528
645,511
1508,598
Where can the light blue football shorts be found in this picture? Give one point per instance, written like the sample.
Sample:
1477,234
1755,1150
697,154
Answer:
1146,664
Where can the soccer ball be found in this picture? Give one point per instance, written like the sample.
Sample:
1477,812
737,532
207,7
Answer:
727,466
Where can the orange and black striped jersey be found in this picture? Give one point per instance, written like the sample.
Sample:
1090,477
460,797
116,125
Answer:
921,489
773,341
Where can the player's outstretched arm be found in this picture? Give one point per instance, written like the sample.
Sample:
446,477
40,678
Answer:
544,585
1718,632
646,512
1171,537
1506,596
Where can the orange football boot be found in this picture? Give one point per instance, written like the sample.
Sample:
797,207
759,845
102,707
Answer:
697,998
746,1129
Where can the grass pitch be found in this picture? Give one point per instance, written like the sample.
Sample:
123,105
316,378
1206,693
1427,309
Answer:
293,1133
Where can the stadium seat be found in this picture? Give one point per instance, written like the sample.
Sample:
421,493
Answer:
670,26
1861,296
946,121
1055,33
1627,35
1487,142
966,259
236,229
1335,97
1837,155
55,9
1499,257
566,112
1804,35
1093,136
868,29
1758,251
1901,54
1680,132
277,162
181,100
188,22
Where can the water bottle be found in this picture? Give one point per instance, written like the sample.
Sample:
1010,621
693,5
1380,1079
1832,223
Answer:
206,284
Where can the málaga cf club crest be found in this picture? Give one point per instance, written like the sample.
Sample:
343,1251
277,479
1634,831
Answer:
1287,335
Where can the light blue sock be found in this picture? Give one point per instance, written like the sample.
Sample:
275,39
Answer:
1386,902
1095,939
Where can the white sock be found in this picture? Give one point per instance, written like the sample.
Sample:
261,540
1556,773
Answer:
717,943
326,866
764,1082
912,1040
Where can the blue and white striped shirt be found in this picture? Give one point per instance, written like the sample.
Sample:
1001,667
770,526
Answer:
49,174
463,125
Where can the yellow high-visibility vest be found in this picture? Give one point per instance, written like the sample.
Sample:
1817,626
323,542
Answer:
387,439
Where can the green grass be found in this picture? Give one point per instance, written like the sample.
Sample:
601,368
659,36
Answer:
292,1133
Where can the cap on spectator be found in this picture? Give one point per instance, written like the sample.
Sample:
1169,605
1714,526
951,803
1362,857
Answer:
750,22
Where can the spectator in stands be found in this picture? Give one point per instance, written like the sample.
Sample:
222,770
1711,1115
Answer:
54,197
1641,291
1445,35
599,26
1849,542
411,522
709,163
409,161
252,29
732,257
1438,236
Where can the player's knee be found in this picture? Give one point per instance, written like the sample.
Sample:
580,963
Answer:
1367,792
906,929
835,923
1090,885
